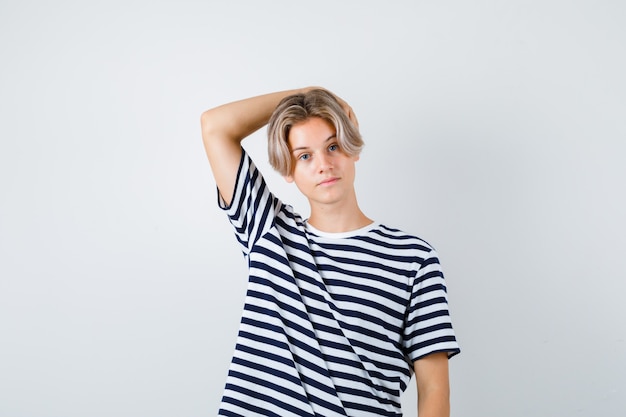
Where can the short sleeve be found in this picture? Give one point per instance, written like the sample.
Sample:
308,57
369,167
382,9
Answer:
253,207
428,326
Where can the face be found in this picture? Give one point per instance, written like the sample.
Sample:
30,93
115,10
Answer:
321,170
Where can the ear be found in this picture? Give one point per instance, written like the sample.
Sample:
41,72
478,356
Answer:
356,157
288,178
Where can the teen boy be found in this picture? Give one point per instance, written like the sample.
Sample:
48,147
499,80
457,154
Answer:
340,310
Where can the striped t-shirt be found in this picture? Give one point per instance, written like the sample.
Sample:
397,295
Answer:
332,321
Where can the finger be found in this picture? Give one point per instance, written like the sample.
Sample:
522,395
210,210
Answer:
348,110
352,117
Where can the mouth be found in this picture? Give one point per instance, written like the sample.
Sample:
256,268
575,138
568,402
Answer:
328,181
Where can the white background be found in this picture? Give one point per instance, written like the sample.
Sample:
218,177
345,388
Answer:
495,129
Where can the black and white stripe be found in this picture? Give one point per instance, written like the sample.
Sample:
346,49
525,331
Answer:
331,322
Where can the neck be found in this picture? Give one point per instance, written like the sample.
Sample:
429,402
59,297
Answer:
338,218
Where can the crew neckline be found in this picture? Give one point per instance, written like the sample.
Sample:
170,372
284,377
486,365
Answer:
340,235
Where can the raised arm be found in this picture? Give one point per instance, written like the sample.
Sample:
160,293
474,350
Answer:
223,129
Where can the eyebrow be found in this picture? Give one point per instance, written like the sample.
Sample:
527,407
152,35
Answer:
333,136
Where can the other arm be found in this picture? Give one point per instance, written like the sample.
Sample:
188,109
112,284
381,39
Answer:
433,385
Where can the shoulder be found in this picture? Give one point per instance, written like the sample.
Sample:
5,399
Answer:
399,238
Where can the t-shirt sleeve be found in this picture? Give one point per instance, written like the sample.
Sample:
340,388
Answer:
253,207
428,327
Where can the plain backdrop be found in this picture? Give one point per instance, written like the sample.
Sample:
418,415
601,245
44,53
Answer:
496,130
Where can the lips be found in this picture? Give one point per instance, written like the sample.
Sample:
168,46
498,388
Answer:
329,181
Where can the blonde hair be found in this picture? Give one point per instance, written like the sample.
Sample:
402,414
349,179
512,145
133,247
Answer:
299,108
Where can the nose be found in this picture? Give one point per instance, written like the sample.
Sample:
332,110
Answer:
323,162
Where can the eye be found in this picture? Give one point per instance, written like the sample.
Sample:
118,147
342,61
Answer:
304,157
333,147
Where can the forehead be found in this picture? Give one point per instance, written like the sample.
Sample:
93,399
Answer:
310,132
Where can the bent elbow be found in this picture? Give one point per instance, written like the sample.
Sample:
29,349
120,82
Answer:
208,125
206,121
